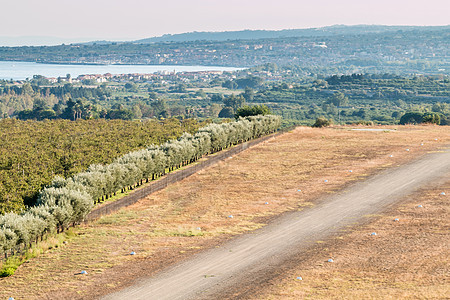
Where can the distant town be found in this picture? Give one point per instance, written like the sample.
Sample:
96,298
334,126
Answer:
166,77
402,51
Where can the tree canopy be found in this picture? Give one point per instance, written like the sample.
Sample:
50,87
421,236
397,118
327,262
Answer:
253,110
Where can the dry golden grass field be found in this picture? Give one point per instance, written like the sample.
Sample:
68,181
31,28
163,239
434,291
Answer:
193,215
407,259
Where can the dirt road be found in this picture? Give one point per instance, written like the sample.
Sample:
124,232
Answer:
249,255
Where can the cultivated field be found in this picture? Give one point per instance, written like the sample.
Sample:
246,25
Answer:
195,213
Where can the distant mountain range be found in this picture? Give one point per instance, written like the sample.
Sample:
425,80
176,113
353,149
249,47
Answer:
220,36
267,34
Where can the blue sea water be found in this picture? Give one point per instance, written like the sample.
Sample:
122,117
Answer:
23,70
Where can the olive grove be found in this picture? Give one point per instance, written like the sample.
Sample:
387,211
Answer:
67,201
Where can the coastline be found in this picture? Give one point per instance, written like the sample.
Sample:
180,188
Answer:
20,70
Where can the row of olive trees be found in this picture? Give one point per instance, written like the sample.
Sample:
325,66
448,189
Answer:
67,201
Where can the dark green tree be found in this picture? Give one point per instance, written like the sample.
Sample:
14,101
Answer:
159,108
122,113
251,82
248,94
411,118
432,118
226,112
338,99
131,87
217,98
254,110
232,85
234,101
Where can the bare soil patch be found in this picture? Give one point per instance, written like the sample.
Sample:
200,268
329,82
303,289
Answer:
195,214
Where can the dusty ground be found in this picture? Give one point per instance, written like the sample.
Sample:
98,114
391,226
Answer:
247,261
407,259
193,214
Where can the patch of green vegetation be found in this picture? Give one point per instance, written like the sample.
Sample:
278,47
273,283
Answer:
11,264
32,153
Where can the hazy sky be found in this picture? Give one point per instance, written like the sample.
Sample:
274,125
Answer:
134,19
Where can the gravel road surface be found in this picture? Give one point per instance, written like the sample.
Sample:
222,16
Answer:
206,274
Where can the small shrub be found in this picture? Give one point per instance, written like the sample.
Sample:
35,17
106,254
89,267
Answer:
322,122
5,272
432,118
366,123
10,266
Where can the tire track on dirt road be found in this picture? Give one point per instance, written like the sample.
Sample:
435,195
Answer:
210,272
